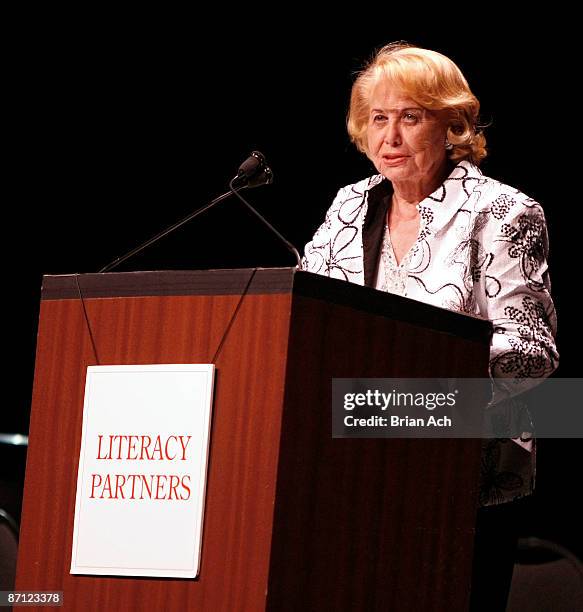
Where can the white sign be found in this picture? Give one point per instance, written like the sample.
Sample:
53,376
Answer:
142,470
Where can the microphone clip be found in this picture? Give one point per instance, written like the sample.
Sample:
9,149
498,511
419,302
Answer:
253,172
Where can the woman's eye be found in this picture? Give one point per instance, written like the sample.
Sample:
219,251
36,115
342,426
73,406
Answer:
410,117
379,118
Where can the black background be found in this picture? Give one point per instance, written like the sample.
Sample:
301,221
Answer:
119,125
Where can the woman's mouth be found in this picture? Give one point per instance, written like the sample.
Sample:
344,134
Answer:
394,160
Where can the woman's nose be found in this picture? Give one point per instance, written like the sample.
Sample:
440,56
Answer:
392,135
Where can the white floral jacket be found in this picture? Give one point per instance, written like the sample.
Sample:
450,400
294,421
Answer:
482,249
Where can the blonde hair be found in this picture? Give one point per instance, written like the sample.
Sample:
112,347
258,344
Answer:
434,82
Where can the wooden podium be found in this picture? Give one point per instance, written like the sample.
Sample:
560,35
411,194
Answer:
294,519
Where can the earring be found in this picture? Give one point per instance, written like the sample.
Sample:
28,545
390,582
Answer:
448,145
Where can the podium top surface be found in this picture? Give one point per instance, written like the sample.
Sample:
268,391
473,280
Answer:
264,281
169,282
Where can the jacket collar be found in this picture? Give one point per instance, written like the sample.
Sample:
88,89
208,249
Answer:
438,208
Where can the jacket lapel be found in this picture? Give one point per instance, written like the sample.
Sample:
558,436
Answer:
379,198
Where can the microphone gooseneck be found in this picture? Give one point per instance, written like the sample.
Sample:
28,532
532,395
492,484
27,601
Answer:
168,230
253,172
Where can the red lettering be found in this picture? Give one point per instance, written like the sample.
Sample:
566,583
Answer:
106,487
145,447
94,484
157,449
166,448
100,438
132,477
148,488
132,447
185,486
118,486
184,445
174,482
160,486
120,438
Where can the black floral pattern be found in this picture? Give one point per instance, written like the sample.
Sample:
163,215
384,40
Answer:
528,243
502,205
529,335
347,265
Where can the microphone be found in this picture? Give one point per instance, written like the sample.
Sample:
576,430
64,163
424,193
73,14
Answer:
253,172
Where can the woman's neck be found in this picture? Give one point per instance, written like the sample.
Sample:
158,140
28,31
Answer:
403,209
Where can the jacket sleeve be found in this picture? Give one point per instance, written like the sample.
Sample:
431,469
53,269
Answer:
318,252
514,293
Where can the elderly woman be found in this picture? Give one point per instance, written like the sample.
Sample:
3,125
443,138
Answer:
432,227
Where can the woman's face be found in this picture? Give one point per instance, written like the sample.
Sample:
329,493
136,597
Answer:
406,142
